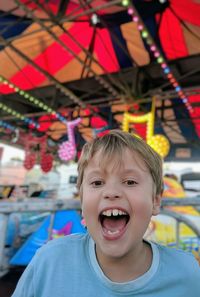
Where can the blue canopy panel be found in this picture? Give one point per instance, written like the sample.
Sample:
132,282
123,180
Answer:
12,26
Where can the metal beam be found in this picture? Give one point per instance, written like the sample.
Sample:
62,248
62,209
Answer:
62,7
34,204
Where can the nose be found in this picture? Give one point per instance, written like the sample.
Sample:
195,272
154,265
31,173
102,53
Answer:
112,192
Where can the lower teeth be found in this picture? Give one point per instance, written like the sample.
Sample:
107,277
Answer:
112,232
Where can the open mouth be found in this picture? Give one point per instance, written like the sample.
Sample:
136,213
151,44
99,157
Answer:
113,221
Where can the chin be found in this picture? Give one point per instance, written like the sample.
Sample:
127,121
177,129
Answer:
113,250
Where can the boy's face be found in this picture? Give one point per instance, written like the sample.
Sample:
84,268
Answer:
117,203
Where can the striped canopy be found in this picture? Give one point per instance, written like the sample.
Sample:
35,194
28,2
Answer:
88,59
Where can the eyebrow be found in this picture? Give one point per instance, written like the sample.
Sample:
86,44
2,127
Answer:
133,171
126,171
93,173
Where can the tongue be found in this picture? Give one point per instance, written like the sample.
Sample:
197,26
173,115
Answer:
114,224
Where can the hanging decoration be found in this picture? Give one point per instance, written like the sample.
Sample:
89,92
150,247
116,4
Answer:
30,154
30,160
160,59
46,162
67,150
158,142
46,159
30,157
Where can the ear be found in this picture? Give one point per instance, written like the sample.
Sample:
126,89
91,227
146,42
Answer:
156,204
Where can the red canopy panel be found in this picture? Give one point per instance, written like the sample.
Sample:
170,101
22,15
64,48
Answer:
179,30
187,10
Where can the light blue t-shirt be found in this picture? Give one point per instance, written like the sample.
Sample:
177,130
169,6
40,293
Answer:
67,267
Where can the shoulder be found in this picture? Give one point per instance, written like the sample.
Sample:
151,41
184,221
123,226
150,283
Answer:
52,263
181,260
174,252
67,245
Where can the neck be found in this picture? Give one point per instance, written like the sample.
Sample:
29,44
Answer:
121,270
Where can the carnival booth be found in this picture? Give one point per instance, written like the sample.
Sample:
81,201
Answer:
164,228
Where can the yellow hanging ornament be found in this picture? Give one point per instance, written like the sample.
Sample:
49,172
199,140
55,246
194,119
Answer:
158,142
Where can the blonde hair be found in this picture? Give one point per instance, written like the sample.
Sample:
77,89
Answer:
115,142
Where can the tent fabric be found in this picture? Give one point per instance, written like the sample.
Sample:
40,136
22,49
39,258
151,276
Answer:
64,66
116,45
192,40
172,37
27,76
187,10
178,39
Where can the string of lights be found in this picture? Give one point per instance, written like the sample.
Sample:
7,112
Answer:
33,124
160,59
32,99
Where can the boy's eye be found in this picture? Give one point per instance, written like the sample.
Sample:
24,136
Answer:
97,183
130,182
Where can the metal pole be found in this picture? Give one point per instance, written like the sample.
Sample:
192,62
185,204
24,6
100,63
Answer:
51,223
3,230
177,233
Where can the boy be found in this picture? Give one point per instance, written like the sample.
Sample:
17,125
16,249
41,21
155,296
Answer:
120,184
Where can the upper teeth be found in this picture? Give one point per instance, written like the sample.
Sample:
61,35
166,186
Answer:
114,212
